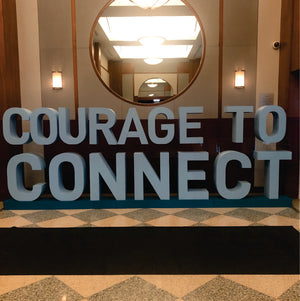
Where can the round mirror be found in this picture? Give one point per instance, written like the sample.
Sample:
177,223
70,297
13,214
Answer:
135,43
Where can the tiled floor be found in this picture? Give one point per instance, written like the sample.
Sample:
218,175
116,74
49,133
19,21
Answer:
151,287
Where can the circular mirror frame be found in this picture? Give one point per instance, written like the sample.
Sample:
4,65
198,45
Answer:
147,104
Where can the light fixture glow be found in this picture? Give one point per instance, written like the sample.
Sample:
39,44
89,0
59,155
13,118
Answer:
153,60
151,41
151,95
57,80
146,4
239,81
163,51
132,28
152,85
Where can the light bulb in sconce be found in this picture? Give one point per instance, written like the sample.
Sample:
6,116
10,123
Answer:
153,60
57,80
239,79
149,4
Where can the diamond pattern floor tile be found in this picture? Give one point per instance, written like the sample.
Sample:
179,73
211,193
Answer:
6,214
292,294
145,215
10,283
171,221
41,216
226,221
248,214
134,288
277,220
14,221
290,212
93,215
66,222
87,286
116,221
220,289
49,289
271,285
178,285
195,214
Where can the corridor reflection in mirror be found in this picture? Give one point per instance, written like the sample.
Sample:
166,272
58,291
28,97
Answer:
131,46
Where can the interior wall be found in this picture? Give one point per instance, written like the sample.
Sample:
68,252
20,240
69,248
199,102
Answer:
239,52
30,74
56,52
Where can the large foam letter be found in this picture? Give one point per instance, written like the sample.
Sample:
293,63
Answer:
238,121
184,125
15,177
56,180
143,167
104,127
115,182
132,116
10,128
64,126
242,188
185,175
272,160
279,124
36,126
169,128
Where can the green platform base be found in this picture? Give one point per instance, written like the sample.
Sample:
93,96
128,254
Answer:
174,202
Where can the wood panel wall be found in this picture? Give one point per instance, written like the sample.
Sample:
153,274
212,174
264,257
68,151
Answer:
9,57
288,92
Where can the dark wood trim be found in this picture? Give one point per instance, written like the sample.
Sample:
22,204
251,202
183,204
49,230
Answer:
10,94
220,79
74,45
285,52
288,94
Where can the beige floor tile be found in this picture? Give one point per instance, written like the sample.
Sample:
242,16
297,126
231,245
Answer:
89,285
276,220
22,212
271,285
170,210
178,285
14,221
72,211
219,210
64,222
223,220
116,221
122,211
171,221
10,283
271,210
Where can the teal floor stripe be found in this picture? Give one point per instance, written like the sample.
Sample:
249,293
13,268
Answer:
174,202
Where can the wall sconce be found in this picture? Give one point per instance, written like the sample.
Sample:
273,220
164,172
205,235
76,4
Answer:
239,79
57,80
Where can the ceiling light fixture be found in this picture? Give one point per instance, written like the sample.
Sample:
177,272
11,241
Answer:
151,41
153,60
149,4
152,85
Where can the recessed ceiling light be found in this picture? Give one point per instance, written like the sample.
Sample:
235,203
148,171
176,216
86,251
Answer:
152,85
153,60
151,41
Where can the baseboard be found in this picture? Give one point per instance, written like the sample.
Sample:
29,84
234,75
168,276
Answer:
173,202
